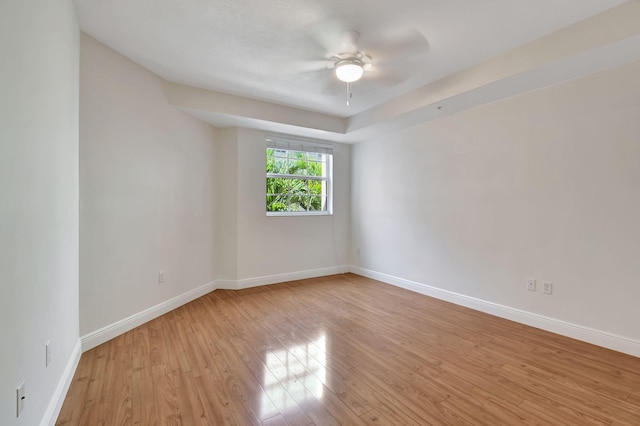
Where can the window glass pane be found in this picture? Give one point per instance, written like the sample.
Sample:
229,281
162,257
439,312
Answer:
296,204
315,187
278,185
315,156
316,203
276,203
276,161
297,163
273,185
298,186
315,168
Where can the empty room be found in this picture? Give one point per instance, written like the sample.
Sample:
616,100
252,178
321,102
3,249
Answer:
320,212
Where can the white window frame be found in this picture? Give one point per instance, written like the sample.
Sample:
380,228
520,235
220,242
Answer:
279,142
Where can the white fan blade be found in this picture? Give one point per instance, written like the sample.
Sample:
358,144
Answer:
387,77
410,43
349,42
329,36
310,66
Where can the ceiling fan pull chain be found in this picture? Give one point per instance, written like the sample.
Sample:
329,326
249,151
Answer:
348,92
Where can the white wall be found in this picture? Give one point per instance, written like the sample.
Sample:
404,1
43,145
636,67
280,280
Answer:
39,47
277,246
146,191
545,185
226,244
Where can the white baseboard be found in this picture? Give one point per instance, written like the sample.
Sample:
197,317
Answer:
280,278
575,331
98,337
55,403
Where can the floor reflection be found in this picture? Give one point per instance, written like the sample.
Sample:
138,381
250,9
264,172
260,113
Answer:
293,375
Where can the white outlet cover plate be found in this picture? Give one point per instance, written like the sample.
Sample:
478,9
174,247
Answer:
531,285
547,287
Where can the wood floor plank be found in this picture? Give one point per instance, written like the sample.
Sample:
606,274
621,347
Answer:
346,349
384,415
77,394
120,386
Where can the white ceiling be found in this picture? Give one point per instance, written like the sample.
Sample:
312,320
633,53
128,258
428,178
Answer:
264,50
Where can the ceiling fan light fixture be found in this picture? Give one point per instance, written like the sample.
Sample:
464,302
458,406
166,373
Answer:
349,70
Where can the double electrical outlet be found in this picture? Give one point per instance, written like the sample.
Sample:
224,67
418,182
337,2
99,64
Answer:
547,286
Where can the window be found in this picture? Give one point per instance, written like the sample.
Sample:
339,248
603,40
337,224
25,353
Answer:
298,176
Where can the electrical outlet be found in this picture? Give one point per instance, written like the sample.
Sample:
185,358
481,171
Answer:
47,350
20,397
547,287
160,277
531,285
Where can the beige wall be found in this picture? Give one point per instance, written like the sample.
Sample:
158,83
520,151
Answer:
270,245
226,258
266,246
39,47
146,189
545,185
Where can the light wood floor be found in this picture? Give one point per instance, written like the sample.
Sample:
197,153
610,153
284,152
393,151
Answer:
346,350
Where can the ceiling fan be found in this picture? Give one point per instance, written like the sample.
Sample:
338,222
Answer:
351,64
388,62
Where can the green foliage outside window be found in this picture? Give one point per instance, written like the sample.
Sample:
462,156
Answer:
295,181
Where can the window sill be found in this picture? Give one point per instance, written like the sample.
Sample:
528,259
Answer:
276,214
